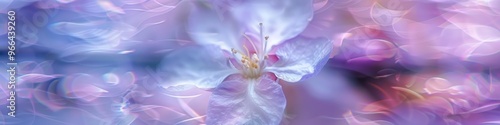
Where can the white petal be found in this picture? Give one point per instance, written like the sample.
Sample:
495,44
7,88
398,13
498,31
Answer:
300,58
206,26
202,66
281,19
240,101
482,33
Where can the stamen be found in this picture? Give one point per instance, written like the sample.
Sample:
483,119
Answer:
246,49
252,63
234,51
241,62
260,31
265,44
251,42
255,57
261,38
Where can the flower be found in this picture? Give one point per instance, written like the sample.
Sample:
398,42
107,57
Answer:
243,49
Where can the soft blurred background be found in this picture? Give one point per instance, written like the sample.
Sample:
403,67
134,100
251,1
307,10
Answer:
395,62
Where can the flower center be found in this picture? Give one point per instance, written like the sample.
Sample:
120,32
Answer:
252,64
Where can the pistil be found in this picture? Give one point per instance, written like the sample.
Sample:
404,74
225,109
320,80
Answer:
251,63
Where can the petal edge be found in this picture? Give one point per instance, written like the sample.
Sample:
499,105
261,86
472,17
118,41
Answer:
202,66
300,58
240,102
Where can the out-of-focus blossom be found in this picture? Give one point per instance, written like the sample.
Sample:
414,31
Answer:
237,60
70,27
447,98
144,104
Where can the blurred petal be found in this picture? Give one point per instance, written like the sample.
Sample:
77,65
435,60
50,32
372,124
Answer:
251,102
81,86
161,114
482,33
103,34
484,108
356,120
484,49
206,26
202,66
281,19
36,78
300,58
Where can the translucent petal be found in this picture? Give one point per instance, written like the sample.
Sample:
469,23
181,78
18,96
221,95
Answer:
281,19
356,120
482,32
81,86
206,26
300,58
484,108
35,78
240,101
202,66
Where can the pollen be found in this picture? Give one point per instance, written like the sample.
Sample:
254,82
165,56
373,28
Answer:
252,62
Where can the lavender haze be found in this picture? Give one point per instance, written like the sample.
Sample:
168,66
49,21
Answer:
252,62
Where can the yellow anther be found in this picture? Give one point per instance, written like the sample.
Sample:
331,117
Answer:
250,56
255,57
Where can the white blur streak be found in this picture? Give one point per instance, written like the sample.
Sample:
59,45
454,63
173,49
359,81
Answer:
189,110
98,33
109,6
65,1
385,16
199,118
142,14
357,120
